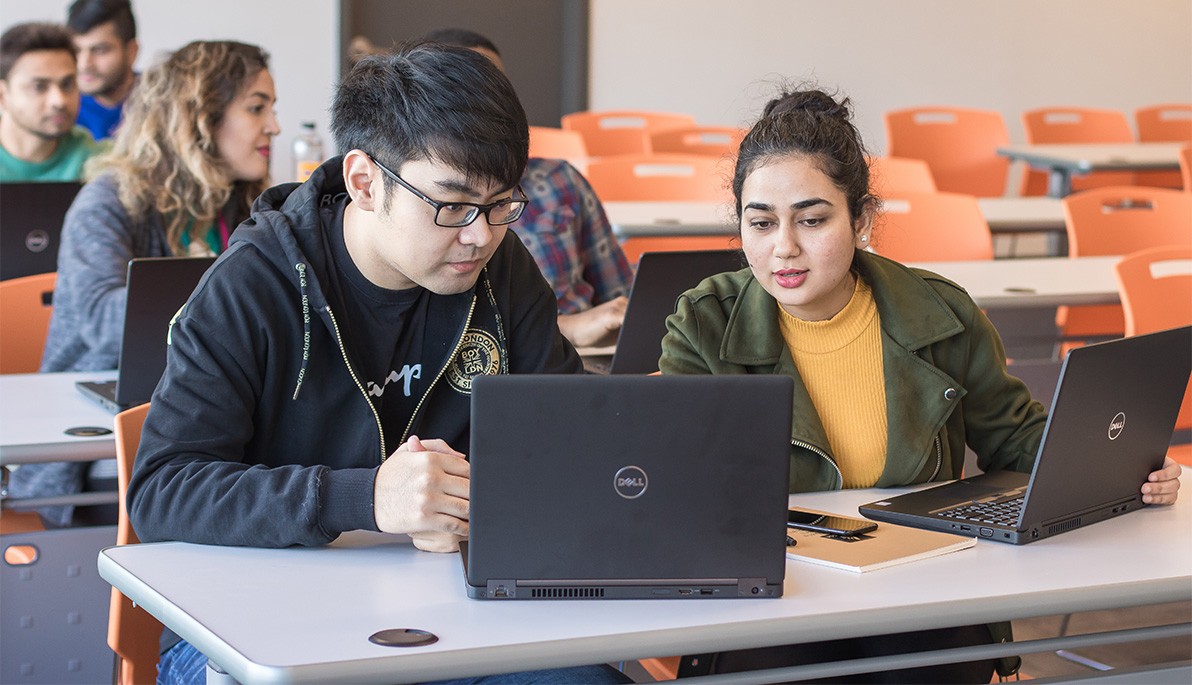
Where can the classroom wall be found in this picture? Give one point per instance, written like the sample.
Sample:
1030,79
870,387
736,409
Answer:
301,37
721,60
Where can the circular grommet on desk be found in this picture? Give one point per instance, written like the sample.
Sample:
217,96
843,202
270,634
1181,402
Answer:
403,637
950,394
87,431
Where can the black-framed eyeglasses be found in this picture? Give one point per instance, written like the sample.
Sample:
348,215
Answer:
460,214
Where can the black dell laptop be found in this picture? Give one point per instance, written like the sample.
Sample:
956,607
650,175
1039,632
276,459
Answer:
628,487
156,289
661,278
1110,425
31,216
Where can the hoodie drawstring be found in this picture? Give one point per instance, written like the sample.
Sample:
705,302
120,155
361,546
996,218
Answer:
301,268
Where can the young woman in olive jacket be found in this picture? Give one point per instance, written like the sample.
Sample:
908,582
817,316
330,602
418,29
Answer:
896,369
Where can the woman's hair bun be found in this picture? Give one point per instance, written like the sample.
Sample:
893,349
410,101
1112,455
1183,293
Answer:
810,101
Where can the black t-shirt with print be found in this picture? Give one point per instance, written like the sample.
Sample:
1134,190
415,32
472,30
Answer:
383,331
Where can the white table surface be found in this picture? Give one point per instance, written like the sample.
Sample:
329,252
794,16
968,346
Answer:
629,219
1086,157
305,614
1047,282
36,409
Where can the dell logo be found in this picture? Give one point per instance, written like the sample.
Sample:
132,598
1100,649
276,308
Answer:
630,482
1116,426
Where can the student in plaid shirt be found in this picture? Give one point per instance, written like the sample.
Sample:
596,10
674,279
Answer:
565,229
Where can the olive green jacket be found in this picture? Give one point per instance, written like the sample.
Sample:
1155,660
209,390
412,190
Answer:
945,373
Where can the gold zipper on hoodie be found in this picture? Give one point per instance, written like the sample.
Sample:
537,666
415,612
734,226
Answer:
458,343
344,352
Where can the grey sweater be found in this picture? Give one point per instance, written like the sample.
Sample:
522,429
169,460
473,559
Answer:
98,239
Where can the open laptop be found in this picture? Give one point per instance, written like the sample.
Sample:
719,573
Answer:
632,487
1110,424
157,288
661,278
31,216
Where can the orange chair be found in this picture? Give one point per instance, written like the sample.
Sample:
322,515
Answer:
624,132
556,143
959,144
717,141
1163,124
635,246
1186,168
24,321
894,175
132,633
932,227
1076,125
1156,291
1117,221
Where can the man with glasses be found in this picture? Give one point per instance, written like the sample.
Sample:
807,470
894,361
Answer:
318,380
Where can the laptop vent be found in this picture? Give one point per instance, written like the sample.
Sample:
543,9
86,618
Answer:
1065,526
567,592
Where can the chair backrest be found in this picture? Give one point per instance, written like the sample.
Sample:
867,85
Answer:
1075,125
1156,290
622,132
932,227
132,633
1164,123
1121,220
717,141
894,175
959,144
25,310
557,143
660,178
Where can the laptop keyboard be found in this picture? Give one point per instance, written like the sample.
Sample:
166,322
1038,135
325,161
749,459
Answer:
1002,511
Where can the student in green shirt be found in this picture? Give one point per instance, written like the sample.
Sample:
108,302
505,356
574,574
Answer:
39,102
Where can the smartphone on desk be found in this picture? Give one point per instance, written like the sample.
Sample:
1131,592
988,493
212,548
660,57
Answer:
827,523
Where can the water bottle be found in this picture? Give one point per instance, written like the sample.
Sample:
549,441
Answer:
308,152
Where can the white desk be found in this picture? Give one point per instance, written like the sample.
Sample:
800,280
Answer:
1048,282
640,219
37,408
1062,160
305,615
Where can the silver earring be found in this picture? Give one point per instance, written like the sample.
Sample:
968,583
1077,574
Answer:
864,238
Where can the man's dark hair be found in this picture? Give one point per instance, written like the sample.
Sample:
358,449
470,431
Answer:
85,15
429,101
463,38
23,38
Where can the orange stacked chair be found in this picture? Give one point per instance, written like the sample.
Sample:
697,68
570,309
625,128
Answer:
959,144
623,132
24,321
1156,291
1163,124
1076,125
557,143
932,227
1118,221
893,175
717,141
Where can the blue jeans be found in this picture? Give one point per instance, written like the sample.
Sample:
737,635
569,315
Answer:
184,665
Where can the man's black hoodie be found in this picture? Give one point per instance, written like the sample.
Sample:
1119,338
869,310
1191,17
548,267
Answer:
261,432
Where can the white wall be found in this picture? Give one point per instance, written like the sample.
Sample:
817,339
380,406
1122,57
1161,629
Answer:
301,37
720,60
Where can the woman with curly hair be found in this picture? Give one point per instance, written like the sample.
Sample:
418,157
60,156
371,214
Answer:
190,157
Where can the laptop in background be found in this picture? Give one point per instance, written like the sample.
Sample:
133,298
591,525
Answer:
31,216
1110,425
157,288
661,278
631,487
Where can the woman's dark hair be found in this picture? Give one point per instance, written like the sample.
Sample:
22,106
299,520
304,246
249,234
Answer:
809,123
433,101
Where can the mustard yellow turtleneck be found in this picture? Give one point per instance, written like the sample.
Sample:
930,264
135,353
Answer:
840,361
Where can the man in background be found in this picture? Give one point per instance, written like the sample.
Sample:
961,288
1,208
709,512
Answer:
566,231
106,38
39,101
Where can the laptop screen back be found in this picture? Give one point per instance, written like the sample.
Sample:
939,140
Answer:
31,216
625,477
